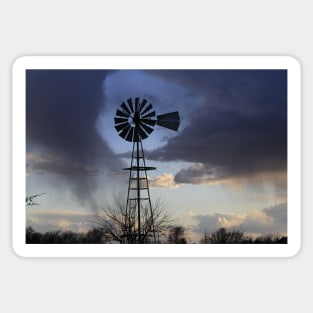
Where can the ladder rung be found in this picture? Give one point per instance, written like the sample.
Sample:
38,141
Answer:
131,199
140,188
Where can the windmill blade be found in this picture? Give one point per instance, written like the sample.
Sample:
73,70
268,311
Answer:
121,126
120,113
125,108
142,134
148,121
143,104
148,129
125,131
130,103
149,107
149,115
120,120
129,136
169,120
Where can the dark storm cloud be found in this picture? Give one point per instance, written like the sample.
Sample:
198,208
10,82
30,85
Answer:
57,166
197,174
62,107
240,130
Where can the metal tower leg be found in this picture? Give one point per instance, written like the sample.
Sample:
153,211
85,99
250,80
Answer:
139,219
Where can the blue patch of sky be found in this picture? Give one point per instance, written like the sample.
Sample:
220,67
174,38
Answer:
164,96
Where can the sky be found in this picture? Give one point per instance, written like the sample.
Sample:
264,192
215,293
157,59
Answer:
226,166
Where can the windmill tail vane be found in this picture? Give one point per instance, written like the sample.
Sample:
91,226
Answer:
134,122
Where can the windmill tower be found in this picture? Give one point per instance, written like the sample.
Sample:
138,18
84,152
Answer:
134,122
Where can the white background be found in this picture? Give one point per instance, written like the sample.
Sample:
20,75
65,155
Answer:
155,28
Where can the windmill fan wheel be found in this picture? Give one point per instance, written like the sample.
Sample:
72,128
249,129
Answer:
135,121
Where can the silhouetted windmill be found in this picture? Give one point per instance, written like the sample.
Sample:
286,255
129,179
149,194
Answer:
134,122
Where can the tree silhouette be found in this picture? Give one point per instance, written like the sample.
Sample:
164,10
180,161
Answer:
119,225
177,235
32,236
271,238
93,236
30,199
223,235
237,236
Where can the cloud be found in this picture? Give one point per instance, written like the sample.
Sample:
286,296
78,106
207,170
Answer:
55,165
241,128
165,180
62,107
270,220
199,174
60,220
267,184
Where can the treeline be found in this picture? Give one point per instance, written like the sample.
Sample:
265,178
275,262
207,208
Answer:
94,236
238,236
176,235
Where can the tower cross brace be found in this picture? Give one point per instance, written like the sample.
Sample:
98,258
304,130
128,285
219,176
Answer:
139,218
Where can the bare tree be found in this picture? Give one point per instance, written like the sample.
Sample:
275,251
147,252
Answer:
30,199
224,235
177,235
119,223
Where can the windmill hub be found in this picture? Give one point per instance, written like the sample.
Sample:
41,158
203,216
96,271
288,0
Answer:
136,119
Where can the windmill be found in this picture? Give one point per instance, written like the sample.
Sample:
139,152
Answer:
134,122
